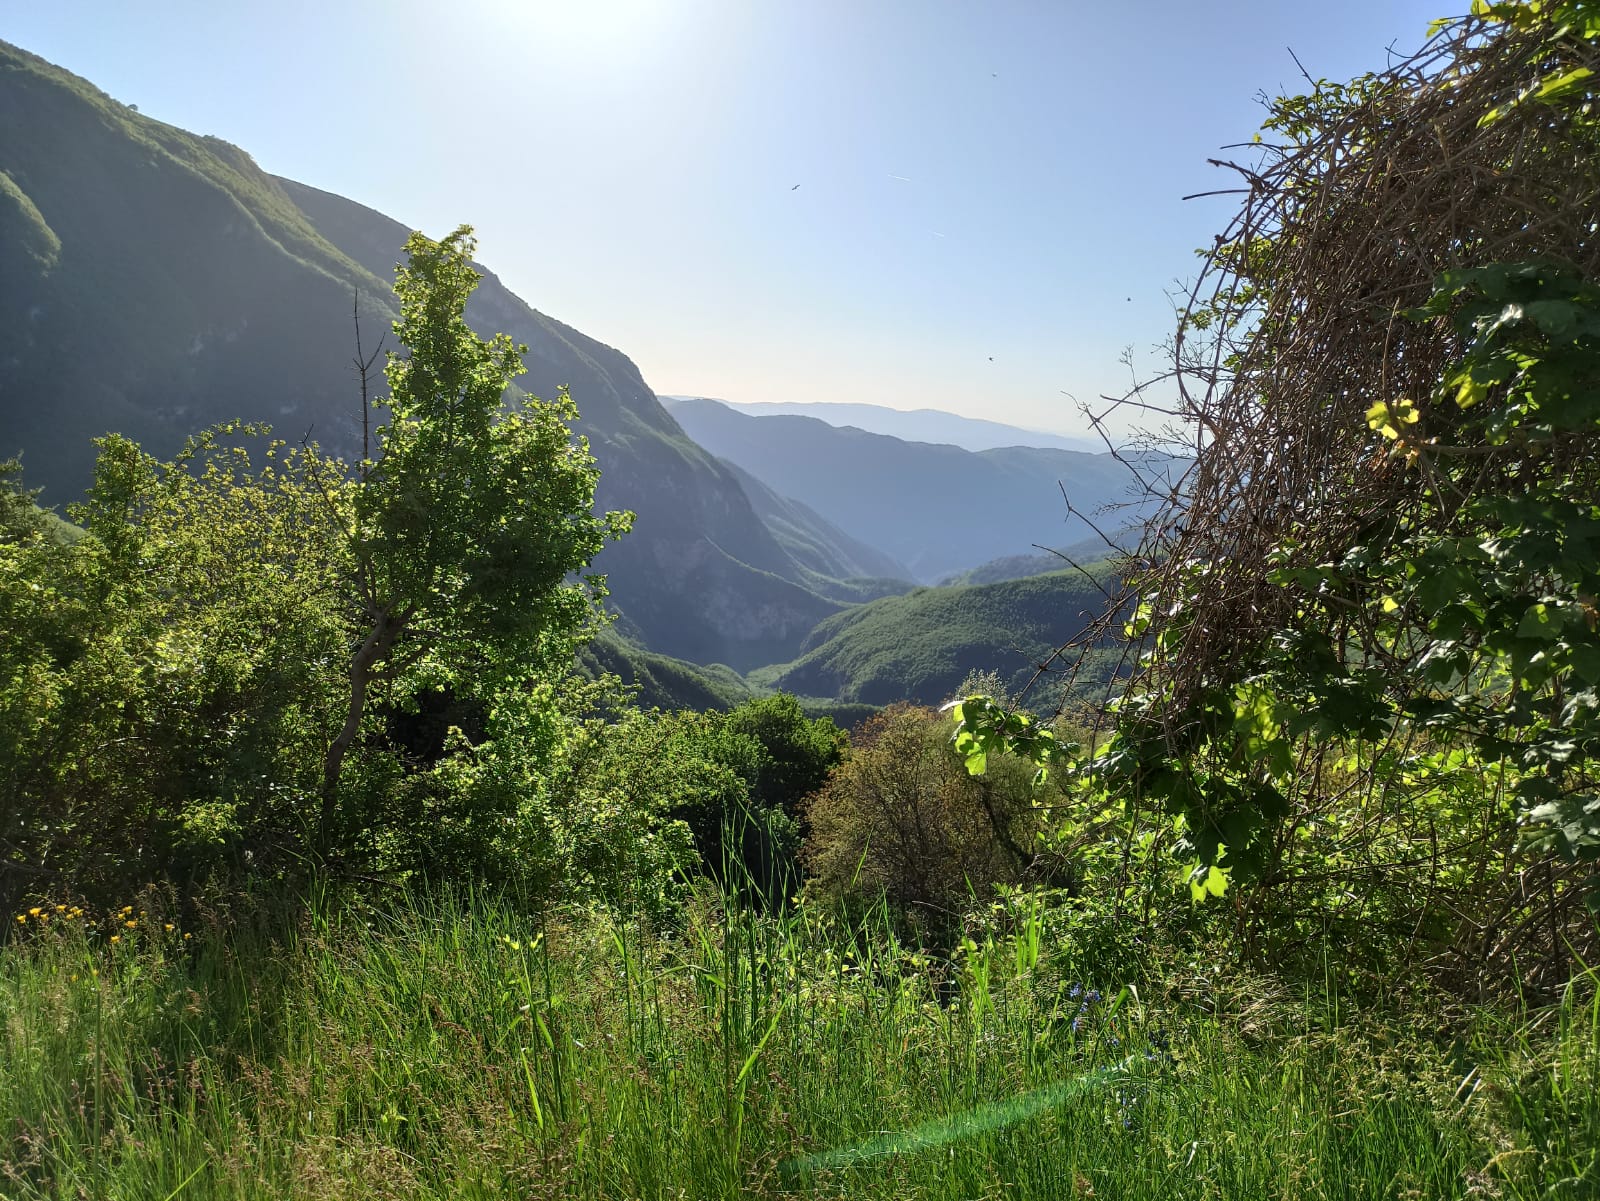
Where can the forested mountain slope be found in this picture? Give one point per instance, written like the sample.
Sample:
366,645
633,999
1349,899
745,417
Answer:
154,282
920,646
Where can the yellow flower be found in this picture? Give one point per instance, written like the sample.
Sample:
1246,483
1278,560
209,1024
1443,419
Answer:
186,937
35,911
116,938
22,919
169,927
130,923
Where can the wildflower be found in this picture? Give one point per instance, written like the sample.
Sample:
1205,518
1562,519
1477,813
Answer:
130,923
22,919
169,927
116,938
187,937
35,911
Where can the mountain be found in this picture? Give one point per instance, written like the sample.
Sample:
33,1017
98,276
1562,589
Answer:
936,508
920,646
913,425
662,682
154,282
833,562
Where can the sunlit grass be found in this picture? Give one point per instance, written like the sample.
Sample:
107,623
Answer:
458,1048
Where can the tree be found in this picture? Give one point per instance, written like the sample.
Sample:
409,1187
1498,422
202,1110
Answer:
469,528
20,519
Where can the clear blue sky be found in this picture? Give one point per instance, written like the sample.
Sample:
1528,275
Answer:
977,179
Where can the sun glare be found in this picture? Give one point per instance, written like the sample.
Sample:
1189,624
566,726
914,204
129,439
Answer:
616,34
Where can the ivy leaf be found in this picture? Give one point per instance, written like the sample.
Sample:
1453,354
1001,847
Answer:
1207,880
1541,621
1569,826
1562,86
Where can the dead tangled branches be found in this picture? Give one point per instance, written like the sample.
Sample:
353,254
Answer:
1298,322
1305,319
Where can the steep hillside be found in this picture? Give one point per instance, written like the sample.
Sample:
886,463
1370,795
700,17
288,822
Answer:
663,682
913,425
836,565
921,646
153,282
936,508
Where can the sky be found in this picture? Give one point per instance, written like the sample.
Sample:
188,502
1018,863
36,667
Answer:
973,206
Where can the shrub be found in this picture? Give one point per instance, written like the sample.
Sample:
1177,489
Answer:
901,816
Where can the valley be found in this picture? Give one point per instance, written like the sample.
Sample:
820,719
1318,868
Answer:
218,292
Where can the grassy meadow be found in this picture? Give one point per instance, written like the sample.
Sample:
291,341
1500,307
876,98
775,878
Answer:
459,1047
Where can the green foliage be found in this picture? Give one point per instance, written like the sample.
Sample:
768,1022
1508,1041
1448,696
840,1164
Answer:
1399,705
172,679
162,693
20,518
901,818
466,530
797,752
1462,626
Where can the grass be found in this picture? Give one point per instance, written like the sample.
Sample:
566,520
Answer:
460,1048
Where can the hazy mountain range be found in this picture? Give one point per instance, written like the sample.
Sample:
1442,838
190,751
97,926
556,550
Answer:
936,508
911,425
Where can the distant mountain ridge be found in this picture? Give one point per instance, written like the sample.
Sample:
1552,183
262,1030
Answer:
911,425
154,282
936,508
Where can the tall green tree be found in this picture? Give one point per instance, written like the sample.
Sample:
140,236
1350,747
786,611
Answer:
470,527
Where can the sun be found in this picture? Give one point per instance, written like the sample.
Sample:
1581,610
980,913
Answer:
619,32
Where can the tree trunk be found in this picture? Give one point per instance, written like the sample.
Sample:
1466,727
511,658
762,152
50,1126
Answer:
372,651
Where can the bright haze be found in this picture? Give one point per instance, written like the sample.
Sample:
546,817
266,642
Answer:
973,207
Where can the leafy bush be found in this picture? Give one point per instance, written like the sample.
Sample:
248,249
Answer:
901,816
163,688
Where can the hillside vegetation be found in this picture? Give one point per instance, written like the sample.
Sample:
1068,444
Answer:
919,647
